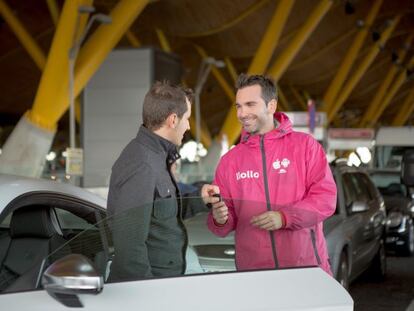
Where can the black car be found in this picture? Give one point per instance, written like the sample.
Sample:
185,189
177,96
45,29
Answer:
400,209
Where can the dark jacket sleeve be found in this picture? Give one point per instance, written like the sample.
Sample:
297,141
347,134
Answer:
130,204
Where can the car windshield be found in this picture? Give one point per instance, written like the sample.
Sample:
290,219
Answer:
388,183
123,246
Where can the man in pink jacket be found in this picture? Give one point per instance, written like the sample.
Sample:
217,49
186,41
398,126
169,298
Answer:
276,185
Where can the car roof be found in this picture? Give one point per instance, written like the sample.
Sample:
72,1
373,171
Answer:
12,187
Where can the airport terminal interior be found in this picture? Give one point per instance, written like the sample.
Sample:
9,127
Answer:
74,74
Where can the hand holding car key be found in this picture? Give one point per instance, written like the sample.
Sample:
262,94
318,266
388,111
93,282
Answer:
212,198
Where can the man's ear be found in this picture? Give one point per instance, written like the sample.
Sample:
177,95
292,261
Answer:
172,120
272,106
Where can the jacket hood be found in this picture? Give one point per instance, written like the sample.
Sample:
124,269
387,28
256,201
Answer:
285,127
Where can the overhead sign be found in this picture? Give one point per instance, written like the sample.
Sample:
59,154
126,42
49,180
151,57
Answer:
351,133
301,118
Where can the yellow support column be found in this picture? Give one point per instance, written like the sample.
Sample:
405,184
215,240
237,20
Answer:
349,59
228,90
321,51
100,44
47,110
54,10
231,127
132,39
284,60
299,98
379,95
271,37
392,91
23,35
165,45
283,102
367,61
230,67
405,111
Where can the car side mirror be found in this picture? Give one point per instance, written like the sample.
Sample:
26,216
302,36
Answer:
407,168
71,275
358,207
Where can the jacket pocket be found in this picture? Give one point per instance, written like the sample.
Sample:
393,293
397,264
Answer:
165,204
315,249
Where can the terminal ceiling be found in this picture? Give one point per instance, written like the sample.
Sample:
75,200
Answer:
231,31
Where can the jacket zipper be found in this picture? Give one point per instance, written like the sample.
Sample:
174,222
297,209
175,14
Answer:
272,238
315,250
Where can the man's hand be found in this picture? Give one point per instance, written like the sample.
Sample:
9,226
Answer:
219,209
207,192
268,221
220,212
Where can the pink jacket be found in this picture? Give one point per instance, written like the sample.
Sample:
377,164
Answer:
296,181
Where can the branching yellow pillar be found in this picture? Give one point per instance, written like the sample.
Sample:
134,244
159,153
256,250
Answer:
132,39
231,127
92,55
284,60
228,90
350,57
405,111
271,37
104,40
367,119
230,67
283,102
299,98
392,91
165,45
367,61
54,82
23,35
54,10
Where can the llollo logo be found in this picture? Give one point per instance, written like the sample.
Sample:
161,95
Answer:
247,174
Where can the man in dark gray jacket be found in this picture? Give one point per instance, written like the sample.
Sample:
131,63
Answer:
143,201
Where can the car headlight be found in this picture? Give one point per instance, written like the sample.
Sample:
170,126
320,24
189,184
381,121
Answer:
394,219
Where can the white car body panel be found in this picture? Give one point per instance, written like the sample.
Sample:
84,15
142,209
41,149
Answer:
12,187
293,289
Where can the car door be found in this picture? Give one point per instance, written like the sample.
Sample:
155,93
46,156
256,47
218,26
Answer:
376,213
356,223
368,222
179,292
67,217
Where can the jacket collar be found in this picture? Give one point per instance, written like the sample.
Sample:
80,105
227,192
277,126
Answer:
284,127
158,144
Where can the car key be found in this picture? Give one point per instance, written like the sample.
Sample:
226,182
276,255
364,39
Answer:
217,195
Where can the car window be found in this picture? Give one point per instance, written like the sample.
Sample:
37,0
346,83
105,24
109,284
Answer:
6,222
68,220
363,190
350,192
369,185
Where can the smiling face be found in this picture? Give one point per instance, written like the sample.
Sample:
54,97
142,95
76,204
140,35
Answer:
255,116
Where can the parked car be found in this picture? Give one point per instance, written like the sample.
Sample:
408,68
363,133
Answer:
55,247
354,234
400,209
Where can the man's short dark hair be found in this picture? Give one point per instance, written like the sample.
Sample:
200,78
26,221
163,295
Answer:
162,100
269,89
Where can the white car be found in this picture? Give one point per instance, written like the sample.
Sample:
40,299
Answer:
55,248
